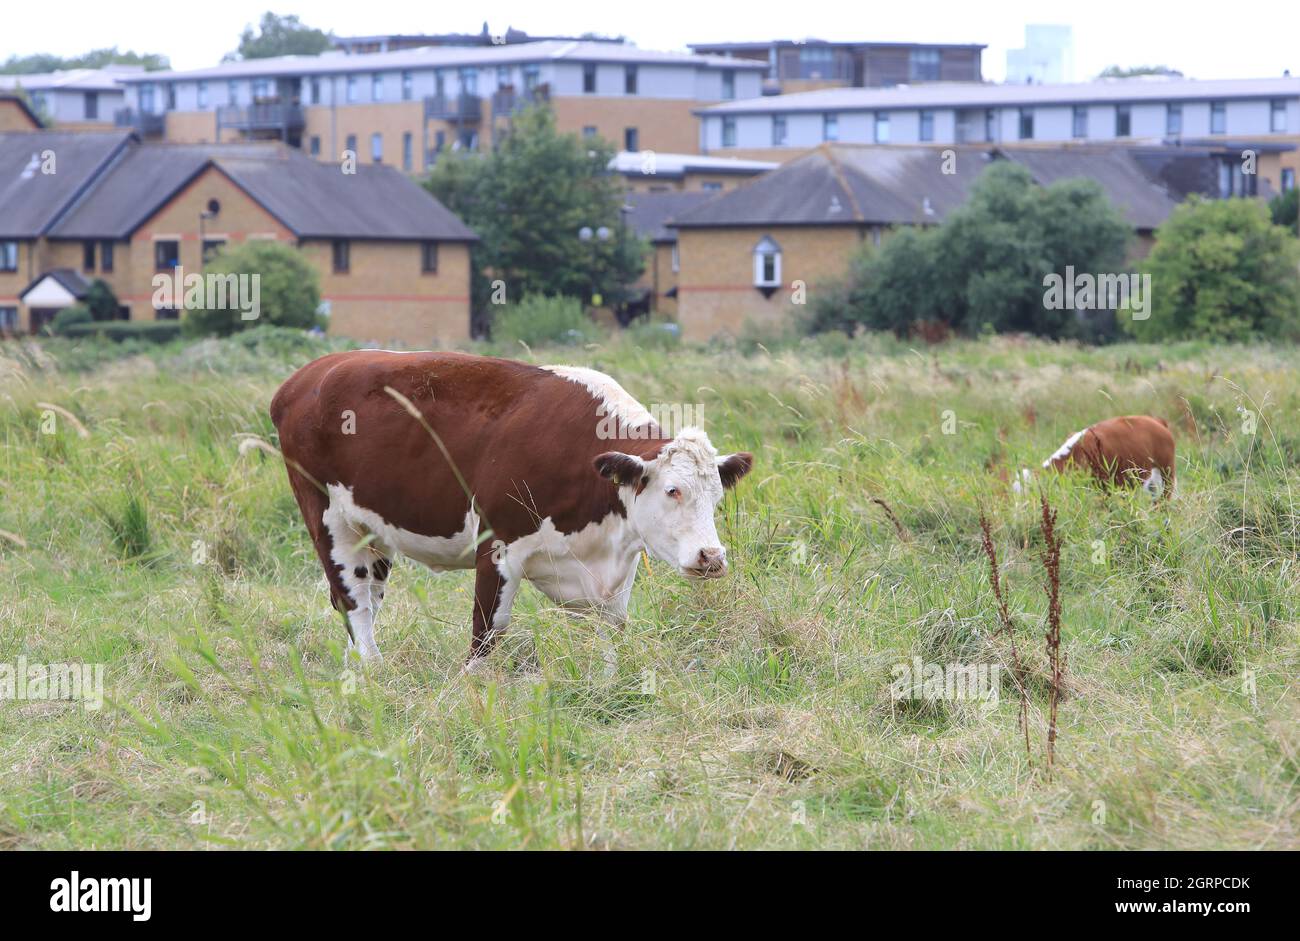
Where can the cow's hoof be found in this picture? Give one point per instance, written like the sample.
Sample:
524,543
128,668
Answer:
474,666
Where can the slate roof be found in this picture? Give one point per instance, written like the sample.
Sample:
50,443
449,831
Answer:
31,202
73,282
649,214
870,185
310,198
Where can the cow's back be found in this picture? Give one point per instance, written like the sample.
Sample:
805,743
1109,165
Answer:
520,437
1136,442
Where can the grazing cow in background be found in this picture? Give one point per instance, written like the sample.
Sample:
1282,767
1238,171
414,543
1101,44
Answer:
1119,451
519,479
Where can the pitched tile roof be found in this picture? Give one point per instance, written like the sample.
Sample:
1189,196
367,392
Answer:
31,201
649,214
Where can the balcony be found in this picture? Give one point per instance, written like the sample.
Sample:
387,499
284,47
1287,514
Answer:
143,123
262,116
463,108
507,101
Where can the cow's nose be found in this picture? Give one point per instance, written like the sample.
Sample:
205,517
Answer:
712,561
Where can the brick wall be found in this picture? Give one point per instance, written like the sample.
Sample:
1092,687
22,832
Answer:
716,281
664,124
13,117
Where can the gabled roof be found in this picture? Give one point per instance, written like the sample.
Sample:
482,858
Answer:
649,214
21,103
310,198
547,50
31,202
71,281
979,95
890,185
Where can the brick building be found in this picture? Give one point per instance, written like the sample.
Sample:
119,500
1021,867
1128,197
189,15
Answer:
393,262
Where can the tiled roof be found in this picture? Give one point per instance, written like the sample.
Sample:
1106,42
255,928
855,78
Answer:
649,214
32,201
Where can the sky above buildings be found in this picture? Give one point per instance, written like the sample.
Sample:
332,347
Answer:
1202,41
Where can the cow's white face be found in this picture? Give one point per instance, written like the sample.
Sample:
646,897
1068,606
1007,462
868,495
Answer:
671,499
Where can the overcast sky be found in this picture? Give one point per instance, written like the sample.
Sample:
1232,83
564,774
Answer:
1203,40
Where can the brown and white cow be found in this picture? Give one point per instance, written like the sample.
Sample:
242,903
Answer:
530,486
1120,451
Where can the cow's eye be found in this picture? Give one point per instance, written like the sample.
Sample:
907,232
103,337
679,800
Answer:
674,493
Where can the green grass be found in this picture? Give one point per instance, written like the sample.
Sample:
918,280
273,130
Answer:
749,712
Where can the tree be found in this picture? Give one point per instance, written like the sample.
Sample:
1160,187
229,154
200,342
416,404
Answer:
984,268
1285,210
1221,270
280,36
528,200
95,59
101,301
286,290
1114,71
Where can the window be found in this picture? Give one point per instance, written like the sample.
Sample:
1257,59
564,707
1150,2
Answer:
408,151
1218,118
315,91
8,319
170,88
503,76
429,257
924,65
629,79
882,127
146,97
816,62
589,130
1277,116
166,313
1080,128
728,84
767,264
631,140
211,247
341,256
677,258
468,81
728,132
376,87
8,256
927,125
408,86
532,77
202,93
232,94
830,127
1123,121
990,124
1288,179
350,144
105,256
377,147
87,256
710,186
1026,123
352,89
439,141
439,84
778,130
92,106
1173,119
261,89
589,78
314,145
166,254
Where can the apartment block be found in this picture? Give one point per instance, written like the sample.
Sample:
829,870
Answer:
1247,112
797,65
75,99
404,107
393,262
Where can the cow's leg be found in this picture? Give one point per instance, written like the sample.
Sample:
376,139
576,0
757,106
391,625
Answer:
1154,484
314,505
494,596
361,566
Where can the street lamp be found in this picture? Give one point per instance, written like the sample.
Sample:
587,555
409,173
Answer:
585,234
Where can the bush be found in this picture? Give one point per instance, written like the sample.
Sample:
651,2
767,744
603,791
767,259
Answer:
1221,270
649,334
1285,210
72,314
539,319
154,331
288,290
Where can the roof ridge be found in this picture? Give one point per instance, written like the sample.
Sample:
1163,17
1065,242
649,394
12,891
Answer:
839,172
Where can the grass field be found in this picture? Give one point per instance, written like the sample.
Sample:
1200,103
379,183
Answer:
750,712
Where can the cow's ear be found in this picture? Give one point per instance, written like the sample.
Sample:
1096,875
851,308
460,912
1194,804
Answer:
733,467
623,469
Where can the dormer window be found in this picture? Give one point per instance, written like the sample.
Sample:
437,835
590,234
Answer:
767,266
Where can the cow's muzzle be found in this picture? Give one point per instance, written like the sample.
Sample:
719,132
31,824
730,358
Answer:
710,563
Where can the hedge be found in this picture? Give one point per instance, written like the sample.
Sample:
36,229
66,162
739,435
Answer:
156,331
